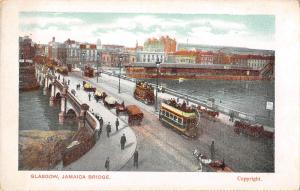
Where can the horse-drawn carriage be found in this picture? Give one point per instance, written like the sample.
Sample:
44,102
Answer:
248,129
214,165
207,113
135,115
110,102
99,94
88,87
62,70
120,108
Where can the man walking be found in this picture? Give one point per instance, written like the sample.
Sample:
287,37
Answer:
108,129
117,124
136,159
89,96
107,164
123,141
212,150
101,124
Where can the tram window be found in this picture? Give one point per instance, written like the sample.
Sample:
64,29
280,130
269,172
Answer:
167,114
171,116
179,120
163,112
175,118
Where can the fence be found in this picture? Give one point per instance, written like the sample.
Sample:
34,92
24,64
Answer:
204,101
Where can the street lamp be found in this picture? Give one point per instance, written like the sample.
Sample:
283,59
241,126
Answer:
98,56
157,67
82,56
120,64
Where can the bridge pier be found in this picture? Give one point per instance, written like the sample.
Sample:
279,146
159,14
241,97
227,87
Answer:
53,92
82,115
63,101
46,85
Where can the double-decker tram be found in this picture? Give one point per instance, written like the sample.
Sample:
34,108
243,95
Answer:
144,93
180,117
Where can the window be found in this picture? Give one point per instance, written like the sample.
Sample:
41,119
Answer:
163,112
175,118
167,114
180,120
171,116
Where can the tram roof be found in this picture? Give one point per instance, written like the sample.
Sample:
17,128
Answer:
177,111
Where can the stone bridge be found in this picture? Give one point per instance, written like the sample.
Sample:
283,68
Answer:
71,108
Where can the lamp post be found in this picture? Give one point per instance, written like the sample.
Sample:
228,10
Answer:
98,57
120,64
157,67
82,56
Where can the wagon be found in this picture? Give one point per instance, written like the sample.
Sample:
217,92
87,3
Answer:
135,115
110,102
99,94
88,87
62,70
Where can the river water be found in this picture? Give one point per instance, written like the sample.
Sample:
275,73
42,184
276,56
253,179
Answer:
243,96
36,114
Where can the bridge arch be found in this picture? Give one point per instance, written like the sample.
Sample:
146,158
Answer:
50,86
71,114
58,96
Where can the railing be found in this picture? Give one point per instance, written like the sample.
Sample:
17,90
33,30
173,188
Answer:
205,103
76,103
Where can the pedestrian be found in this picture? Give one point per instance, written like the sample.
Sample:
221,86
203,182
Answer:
58,77
89,96
123,141
117,124
99,132
107,164
73,92
68,82
136,159
231,115
101,123
212,150
108,129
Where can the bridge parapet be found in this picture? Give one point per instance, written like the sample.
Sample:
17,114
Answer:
86,135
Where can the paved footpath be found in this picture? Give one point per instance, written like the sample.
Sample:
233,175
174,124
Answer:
94,159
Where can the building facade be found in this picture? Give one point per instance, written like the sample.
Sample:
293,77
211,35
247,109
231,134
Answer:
27,80
26,48
163,44
150,57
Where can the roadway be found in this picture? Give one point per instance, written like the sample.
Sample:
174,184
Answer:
162,149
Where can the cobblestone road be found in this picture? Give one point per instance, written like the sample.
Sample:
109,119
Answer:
162,149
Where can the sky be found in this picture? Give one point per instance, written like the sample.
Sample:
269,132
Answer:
251,31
